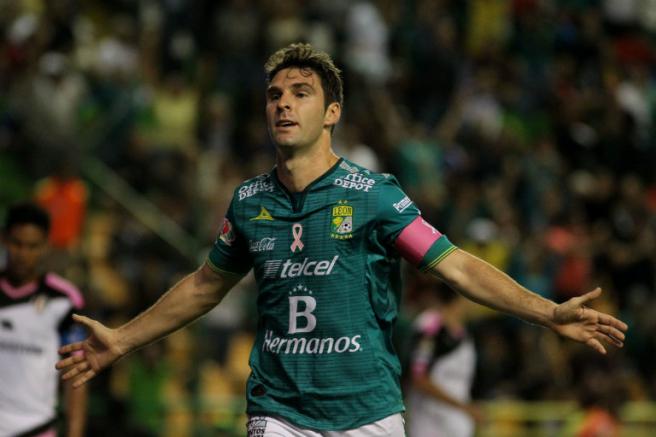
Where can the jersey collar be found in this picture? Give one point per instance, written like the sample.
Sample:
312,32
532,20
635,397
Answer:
18,292
297,200
311,185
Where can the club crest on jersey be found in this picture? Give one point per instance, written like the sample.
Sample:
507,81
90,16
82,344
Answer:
227,234
40,303
341,223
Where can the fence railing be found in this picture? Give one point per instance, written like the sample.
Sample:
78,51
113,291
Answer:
225,416
141,208
555,419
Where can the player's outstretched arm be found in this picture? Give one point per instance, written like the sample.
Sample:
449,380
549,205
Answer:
483,283
190,298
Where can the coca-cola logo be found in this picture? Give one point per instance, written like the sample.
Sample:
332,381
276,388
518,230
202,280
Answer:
263,245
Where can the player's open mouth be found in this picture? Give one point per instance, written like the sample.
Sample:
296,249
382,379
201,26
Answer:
285,123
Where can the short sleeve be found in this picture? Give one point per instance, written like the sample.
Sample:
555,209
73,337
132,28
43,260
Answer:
402,226
427,327
395,210
229,255
71,332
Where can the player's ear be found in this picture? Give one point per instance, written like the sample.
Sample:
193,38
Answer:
332,115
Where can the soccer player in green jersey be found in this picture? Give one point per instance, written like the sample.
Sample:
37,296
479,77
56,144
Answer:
324,238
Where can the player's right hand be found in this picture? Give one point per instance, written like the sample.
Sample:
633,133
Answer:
85,359
573,319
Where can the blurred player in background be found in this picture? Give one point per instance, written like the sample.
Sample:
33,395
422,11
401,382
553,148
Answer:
324,237
443,362
35,320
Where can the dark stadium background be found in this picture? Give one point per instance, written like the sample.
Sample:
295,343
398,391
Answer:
525,130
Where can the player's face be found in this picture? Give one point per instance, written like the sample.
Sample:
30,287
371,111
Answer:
295,108
26,246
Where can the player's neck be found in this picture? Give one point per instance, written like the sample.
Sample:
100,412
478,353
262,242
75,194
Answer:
298,169
16,280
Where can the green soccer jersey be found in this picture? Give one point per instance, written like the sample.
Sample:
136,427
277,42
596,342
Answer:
328,278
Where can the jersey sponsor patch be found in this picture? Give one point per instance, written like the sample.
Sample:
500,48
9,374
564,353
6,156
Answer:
261,183
310,345
301,308
271,268
263,215
264,245
402,204
355,181
341,223
256,426
303,268
227,234
16,347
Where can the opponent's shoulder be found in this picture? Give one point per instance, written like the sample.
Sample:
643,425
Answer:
428,322
262,183
59,285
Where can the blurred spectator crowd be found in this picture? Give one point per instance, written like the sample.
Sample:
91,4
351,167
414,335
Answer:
525,130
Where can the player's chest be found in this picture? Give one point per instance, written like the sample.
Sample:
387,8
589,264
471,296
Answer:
315,235
35,319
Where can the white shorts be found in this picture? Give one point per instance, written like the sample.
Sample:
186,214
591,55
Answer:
268,426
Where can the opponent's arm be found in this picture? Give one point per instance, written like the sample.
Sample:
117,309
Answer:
76,409
190,298
483,283
423,383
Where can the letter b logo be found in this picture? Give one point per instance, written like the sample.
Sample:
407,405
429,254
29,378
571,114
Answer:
309,304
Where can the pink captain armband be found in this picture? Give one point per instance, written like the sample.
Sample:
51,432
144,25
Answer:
415,240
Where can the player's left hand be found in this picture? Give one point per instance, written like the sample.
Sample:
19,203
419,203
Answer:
572,319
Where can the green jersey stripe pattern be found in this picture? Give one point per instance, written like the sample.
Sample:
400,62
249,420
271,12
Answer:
329,290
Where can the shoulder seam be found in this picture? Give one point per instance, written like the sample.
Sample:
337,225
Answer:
254,178
65,287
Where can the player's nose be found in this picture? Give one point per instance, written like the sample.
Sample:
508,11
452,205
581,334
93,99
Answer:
284,102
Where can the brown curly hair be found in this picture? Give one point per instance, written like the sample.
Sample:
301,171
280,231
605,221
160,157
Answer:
304,56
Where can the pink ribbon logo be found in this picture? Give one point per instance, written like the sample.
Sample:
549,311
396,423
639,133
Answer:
297,232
